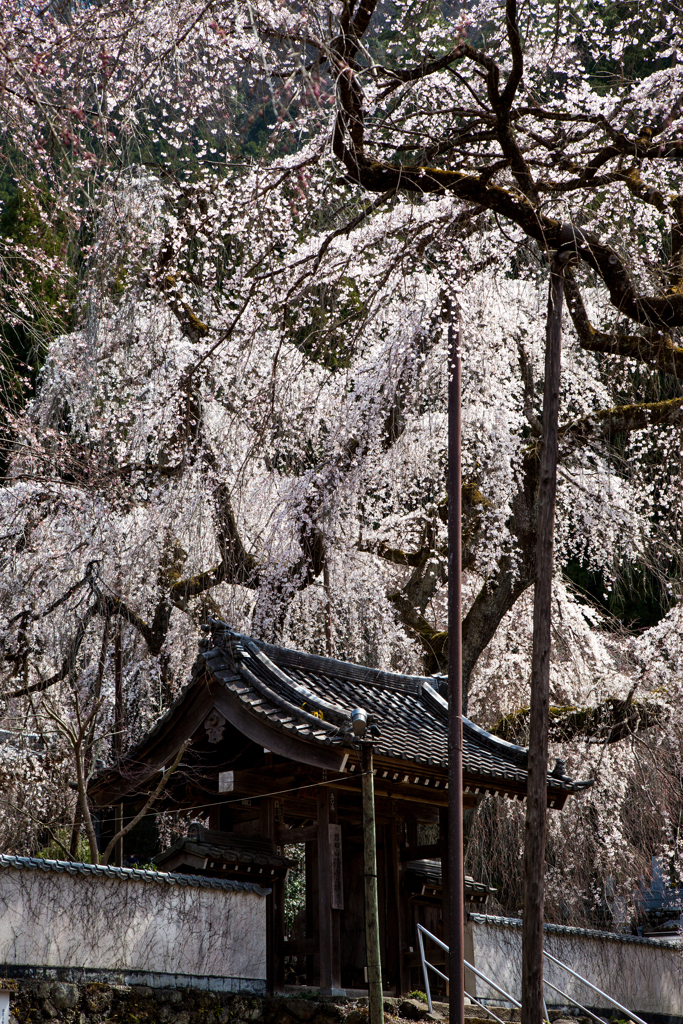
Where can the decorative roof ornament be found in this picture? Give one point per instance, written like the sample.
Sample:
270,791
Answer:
215,726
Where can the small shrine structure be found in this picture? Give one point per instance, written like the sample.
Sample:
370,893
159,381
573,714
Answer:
273,762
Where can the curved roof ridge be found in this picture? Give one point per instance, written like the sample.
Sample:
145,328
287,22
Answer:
329,666
334,712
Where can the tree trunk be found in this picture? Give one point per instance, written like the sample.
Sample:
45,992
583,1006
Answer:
534,829
81,782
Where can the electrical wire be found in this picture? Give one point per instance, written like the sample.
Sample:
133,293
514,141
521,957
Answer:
222,803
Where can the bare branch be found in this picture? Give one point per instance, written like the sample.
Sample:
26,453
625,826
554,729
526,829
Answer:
151,800
68,662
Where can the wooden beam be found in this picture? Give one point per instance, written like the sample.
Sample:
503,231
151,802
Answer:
436,957
430,852
287,836
250,783
426,797
298,947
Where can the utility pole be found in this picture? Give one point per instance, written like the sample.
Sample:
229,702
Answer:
118,730
535,824
376,997
456,866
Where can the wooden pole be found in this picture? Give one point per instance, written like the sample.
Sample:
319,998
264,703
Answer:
118,731
456,867
376,998
535,824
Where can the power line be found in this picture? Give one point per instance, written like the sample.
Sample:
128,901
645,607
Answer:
217,803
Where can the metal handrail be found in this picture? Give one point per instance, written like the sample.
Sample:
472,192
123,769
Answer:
576,1002
426,966
492,983
595,988
486,1009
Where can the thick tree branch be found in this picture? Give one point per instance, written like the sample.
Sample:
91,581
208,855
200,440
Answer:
605,423
36,616
515,42
656,311
654,347
610,721
236,564
422,70
434,642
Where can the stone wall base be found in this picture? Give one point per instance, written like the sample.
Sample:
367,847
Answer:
46,999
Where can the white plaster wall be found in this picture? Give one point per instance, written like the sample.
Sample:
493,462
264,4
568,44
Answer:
645,977
60,920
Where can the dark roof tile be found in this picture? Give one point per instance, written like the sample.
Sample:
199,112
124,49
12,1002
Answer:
294,690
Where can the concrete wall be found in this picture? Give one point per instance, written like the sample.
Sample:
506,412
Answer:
58,915
642,974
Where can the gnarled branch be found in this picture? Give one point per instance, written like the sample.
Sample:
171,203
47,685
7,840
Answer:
609,721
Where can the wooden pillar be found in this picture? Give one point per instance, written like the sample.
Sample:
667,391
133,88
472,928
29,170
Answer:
445,887
336,902
404,909
275,909
535,823
311,867
118,732
395,927
330,959
372,936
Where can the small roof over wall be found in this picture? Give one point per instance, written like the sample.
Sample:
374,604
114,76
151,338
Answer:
299,706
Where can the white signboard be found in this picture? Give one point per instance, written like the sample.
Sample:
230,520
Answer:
4,1007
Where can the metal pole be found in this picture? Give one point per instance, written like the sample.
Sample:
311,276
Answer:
456,867
376,998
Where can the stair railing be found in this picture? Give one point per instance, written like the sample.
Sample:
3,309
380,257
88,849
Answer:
584,981
426,967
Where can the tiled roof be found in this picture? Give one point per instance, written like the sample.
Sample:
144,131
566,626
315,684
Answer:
313,697
236,850
429,871
127,874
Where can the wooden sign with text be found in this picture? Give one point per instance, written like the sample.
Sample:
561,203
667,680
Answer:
336,885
